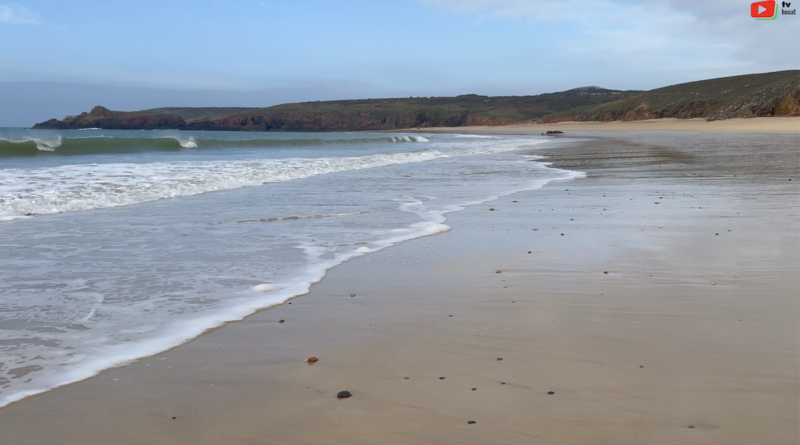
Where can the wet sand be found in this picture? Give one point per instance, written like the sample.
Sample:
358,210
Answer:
695,323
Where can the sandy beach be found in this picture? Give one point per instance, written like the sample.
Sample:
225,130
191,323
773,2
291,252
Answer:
654,301
768,125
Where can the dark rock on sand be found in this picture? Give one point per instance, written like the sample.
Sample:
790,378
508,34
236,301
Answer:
550,392
441,378
691,426
281,321
474,389
471,422
499,358
343,394
312,360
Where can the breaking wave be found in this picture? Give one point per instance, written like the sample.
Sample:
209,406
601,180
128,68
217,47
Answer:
28,146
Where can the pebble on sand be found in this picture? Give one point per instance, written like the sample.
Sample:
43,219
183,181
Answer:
471,422
562,234
535,230
281,321
691,426
352,295
312,360
605,273
498,271
343,394
474,389
502,383
641,366
491,209
550,392
174,418
499,358
441,378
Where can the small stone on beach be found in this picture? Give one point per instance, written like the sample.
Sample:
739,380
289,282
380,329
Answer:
441,378
405,378
498,271
343,394
312,360
491,209
499,358
641,366
605,273
281,321
562,234
691,426
502,383
352,295
174,418
474,389
550,392
471,422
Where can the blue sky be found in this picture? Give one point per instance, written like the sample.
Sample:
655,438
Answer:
59,57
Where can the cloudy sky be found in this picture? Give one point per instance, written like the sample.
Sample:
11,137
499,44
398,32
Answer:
63,57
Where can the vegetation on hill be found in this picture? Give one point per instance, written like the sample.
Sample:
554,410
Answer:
769,94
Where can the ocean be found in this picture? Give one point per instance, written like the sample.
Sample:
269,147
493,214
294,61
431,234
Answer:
116,245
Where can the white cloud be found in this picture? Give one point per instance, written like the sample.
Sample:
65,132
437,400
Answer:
679,35
17,14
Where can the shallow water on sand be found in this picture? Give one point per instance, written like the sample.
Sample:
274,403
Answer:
120,244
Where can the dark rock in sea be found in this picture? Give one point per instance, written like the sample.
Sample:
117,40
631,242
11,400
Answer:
343,394
471,422
550,392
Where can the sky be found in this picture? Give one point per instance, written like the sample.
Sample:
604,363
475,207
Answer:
59,58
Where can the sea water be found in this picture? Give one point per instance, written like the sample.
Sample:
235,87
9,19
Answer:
115,245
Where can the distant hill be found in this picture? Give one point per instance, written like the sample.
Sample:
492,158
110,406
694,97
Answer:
769,94
349,115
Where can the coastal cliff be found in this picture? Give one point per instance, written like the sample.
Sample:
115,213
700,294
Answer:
754,95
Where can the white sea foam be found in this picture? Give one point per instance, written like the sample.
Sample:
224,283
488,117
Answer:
130,323
69,188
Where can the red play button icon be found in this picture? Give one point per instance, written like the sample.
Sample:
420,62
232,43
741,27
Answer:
763,10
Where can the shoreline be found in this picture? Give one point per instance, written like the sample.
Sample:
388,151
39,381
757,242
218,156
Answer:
428,315
775,125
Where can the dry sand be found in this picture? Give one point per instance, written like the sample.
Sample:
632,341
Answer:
754,125
687,327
